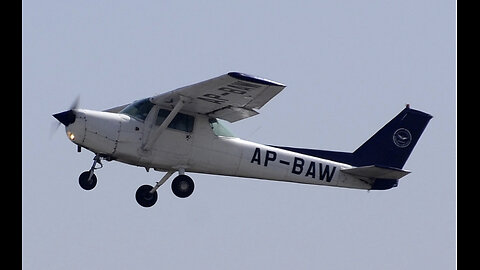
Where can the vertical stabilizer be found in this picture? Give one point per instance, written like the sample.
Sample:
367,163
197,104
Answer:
380,158
391,145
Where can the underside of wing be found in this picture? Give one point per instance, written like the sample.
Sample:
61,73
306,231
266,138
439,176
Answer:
232,97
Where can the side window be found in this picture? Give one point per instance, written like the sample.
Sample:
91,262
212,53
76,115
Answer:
219,129
181,121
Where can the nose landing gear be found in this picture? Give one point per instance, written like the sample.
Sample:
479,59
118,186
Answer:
88,179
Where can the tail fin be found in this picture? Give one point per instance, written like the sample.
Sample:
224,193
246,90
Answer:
391,145
380,158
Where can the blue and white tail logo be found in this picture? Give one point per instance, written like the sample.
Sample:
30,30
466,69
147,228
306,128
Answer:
402,137
404,130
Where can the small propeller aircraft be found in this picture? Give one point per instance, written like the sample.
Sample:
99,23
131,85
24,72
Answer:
179,131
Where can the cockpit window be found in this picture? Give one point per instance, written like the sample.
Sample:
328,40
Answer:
138,109
219,129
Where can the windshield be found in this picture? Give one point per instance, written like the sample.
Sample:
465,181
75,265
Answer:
138,109
219,129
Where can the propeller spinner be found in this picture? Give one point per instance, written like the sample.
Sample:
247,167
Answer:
66,117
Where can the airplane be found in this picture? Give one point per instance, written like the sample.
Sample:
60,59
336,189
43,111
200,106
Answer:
180,131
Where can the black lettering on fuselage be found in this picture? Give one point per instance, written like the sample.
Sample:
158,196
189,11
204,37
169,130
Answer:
271,156
256,156
325,173
311,170
298,165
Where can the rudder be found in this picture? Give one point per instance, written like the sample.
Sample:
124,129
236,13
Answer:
392,144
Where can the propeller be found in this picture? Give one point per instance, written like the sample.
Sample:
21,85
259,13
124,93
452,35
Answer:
67,117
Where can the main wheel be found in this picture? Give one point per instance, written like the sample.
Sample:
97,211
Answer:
144,197
85,183
182,186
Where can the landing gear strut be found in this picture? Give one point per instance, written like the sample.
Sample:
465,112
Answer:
182,187
88,180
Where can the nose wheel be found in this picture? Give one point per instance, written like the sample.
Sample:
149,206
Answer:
88,179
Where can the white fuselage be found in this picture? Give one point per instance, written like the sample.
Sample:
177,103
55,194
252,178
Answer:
120,137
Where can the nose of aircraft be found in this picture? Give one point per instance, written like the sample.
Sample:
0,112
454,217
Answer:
66,117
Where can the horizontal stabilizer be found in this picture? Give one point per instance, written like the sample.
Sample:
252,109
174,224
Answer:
376,172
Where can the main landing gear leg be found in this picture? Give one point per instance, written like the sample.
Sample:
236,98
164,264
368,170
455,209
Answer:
147,195
88,179
182,187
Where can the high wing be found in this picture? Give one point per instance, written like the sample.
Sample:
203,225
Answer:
231,97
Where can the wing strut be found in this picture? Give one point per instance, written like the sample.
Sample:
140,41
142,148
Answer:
154,134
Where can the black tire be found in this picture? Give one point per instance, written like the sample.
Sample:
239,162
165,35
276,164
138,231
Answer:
85,183
144,197
183,186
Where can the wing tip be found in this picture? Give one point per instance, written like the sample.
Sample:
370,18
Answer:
254,79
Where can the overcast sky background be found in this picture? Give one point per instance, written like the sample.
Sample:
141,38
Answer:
349,67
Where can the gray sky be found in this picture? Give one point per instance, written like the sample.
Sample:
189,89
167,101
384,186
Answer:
349,67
